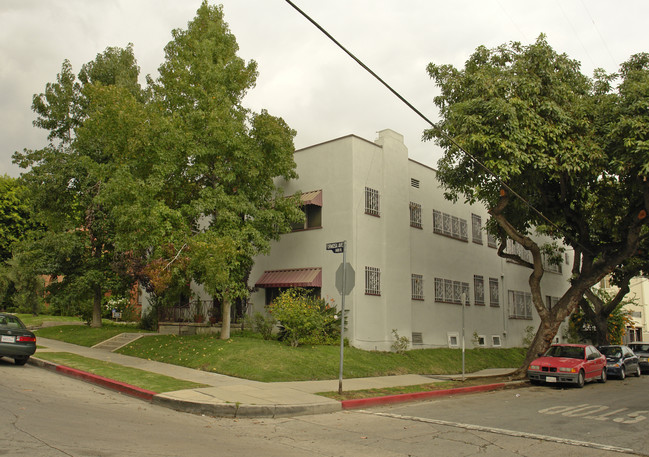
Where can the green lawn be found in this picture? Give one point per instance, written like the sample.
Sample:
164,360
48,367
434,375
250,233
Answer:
84,335
248,356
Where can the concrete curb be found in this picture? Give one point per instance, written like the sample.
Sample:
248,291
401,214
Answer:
235,410
108,383
402,398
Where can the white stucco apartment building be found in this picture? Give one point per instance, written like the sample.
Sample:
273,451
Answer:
414,252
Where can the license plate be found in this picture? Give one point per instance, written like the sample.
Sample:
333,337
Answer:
550,379
7,339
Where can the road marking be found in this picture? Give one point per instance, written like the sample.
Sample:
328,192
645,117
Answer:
587,412
506,432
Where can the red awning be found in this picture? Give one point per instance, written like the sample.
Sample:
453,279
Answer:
298,277
312,198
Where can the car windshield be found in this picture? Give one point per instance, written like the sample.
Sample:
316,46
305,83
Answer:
611,351
572,352
9,322
640,347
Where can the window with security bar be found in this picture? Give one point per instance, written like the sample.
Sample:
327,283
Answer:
372,202
417,287
494,292
520,305
372,281
451,226
449,291
415,215
478,290
476,228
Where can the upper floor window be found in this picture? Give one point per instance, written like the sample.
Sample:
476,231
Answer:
415,215
492,241
454,227
476,228
372,202
552,266
417,287
372,281
312,209
517,249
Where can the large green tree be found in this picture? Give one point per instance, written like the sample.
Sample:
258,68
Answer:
66,178
549,151
15,218
230,156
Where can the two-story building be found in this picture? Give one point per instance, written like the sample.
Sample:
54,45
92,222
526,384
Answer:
414,253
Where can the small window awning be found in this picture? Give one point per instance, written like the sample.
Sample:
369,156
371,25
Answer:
298,277
312,198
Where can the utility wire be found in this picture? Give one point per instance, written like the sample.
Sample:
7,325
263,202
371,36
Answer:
449,138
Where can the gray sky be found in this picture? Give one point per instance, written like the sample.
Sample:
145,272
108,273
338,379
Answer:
304,77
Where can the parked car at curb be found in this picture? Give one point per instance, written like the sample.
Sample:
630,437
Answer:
620,361
570,364
642,351
16,341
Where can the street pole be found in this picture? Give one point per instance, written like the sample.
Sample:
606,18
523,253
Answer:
463,299
342,319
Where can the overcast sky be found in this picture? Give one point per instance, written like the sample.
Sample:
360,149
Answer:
304,77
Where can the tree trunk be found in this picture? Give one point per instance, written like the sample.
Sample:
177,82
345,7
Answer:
540,344
601,329
96,307
226,305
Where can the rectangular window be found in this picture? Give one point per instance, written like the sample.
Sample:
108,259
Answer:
495,341
551,302
312,218
372,202
415,215
453,339
476,228
517,249
417,287
478,290
520,305
551,267
448,291
451,226
492,242
372,281
494,293
481,340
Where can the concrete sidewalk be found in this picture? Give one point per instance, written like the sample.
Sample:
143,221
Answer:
227,396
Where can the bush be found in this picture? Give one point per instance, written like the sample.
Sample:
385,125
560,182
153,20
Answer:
305,319
263,325
401,343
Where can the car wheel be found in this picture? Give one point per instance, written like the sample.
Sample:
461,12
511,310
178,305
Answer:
622,373
21,360
637,371
580,379
602,377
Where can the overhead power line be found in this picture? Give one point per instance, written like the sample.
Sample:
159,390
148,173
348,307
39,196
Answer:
442,132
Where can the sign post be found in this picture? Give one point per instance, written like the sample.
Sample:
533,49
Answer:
336,248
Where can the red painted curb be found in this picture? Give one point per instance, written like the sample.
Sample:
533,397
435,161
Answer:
118,386
388,399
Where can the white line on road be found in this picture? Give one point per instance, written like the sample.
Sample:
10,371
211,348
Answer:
501,431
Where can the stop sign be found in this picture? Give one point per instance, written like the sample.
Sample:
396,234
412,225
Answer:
350,278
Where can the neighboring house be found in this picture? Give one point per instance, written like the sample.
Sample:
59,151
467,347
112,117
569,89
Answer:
414,252
639,291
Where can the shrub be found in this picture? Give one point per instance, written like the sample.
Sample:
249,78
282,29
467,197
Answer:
305,319
263,325
401,343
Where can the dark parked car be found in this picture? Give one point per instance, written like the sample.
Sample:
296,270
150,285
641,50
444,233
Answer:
620,361
568,363
16,341
642,351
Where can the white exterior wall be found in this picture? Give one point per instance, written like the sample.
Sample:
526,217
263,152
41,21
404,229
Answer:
342,169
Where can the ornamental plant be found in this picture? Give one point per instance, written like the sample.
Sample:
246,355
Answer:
304,318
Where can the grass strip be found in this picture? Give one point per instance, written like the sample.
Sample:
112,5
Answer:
133,376
399,390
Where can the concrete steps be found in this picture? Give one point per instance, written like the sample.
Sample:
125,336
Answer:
118,341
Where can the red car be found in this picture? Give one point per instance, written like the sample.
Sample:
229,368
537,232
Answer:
568,363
